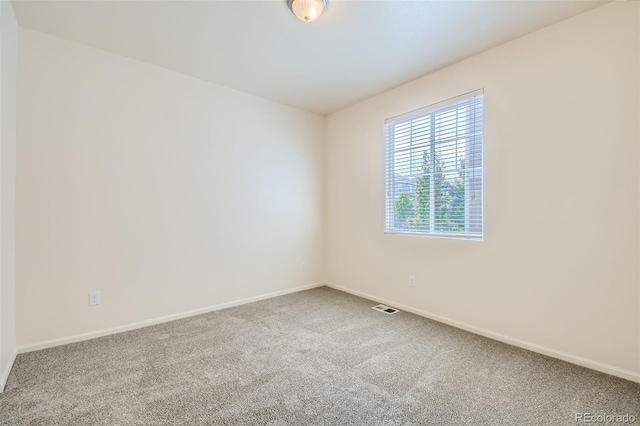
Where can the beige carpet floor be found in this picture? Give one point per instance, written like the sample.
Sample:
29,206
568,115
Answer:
318,357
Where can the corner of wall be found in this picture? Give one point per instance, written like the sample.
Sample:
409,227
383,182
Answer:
8,71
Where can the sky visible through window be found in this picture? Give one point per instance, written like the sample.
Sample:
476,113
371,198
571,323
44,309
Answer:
413,138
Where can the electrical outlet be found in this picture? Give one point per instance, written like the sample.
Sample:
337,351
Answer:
412,281
303,265
94,298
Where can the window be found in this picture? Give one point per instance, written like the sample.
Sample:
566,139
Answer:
433,169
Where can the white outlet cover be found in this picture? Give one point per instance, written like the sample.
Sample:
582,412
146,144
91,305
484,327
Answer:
94,298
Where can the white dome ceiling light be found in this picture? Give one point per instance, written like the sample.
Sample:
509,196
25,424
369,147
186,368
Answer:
307,10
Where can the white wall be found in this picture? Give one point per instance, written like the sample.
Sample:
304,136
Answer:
8,65
164,192
559,264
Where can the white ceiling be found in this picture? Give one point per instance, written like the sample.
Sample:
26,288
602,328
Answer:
355,50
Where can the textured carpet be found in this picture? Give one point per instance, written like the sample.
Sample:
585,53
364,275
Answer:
318,357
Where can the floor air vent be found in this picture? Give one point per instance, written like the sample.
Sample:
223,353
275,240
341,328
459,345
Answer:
386,309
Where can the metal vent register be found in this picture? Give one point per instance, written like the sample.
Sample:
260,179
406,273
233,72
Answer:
386,309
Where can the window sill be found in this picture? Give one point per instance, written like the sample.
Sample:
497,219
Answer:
464,237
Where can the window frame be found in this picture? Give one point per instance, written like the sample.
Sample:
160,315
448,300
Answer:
415,114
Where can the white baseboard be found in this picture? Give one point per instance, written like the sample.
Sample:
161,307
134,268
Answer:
146,323
5,374
574,359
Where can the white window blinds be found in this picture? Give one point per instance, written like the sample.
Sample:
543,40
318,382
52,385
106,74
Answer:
433,169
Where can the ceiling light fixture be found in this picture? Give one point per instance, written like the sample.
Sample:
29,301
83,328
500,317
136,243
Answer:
307,10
